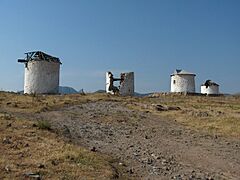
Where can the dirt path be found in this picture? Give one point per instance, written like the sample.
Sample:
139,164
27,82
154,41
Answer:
147,146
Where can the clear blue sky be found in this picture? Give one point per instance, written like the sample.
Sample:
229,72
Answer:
149,37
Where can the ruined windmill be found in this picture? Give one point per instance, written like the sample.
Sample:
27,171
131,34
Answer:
41,73
210,87
126,84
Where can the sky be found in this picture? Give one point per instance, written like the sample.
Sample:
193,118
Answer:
152,38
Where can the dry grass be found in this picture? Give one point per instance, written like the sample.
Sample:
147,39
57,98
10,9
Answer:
214,115
36,103
27,149
27,146
12,102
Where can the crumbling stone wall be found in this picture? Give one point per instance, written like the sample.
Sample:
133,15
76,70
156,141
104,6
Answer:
127,84
125,87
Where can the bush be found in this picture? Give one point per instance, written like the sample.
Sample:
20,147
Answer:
43,124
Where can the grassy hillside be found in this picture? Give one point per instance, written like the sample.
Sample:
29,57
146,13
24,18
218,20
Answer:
29,146
30,149
219,115
215,115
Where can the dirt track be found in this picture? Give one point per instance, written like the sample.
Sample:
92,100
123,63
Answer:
148,147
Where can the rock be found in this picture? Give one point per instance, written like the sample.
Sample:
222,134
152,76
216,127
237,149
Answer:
192,176
166,168
122,164
202,114
26,145
33,175
130,171
155,157
9,125
178,177
164,162
159,107
7,168
41,166
144,160
155,169
136,154
66,131
54,162
172,108
7,140
93,149
146,137
149,161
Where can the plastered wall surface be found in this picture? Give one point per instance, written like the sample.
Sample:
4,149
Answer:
210,89
41,77
108,83
183,83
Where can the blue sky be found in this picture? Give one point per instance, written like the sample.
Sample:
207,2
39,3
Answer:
149,37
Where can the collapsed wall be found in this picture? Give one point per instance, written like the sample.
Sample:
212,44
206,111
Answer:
127,84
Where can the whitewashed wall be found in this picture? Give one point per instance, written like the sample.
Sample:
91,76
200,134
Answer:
127,85
108,83
213,89
41,77
183,83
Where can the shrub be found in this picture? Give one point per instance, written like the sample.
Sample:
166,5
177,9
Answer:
43,124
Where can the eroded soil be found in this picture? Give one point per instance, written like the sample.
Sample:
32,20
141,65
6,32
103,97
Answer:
147,146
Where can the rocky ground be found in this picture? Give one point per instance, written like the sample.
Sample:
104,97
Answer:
147,146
